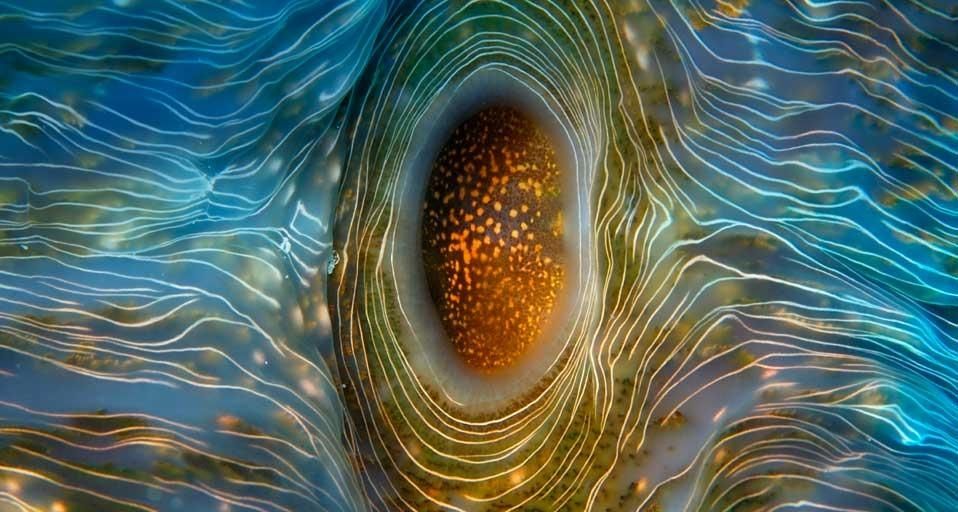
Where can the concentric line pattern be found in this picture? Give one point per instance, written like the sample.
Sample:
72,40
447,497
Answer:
166,176
768,282
768,318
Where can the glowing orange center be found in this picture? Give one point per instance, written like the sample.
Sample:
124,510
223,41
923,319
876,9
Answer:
492,236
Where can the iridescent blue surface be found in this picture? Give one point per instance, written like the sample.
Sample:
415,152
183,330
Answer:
205,291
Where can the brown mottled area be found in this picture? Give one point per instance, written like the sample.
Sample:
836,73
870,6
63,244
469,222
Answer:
492,236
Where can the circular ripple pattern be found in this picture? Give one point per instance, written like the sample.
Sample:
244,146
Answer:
760,199
762,285
432,435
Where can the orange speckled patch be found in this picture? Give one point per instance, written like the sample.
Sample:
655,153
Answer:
492,236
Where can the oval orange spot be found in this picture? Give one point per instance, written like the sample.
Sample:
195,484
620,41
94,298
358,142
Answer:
494,295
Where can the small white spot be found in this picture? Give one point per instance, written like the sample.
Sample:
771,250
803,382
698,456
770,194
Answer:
332,262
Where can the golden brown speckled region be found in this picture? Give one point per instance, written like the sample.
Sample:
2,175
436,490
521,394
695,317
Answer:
492,236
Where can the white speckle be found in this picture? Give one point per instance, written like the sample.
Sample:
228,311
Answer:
757,83
332,262
642,56
335,170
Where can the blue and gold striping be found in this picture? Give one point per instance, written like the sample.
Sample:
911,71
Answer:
213,293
